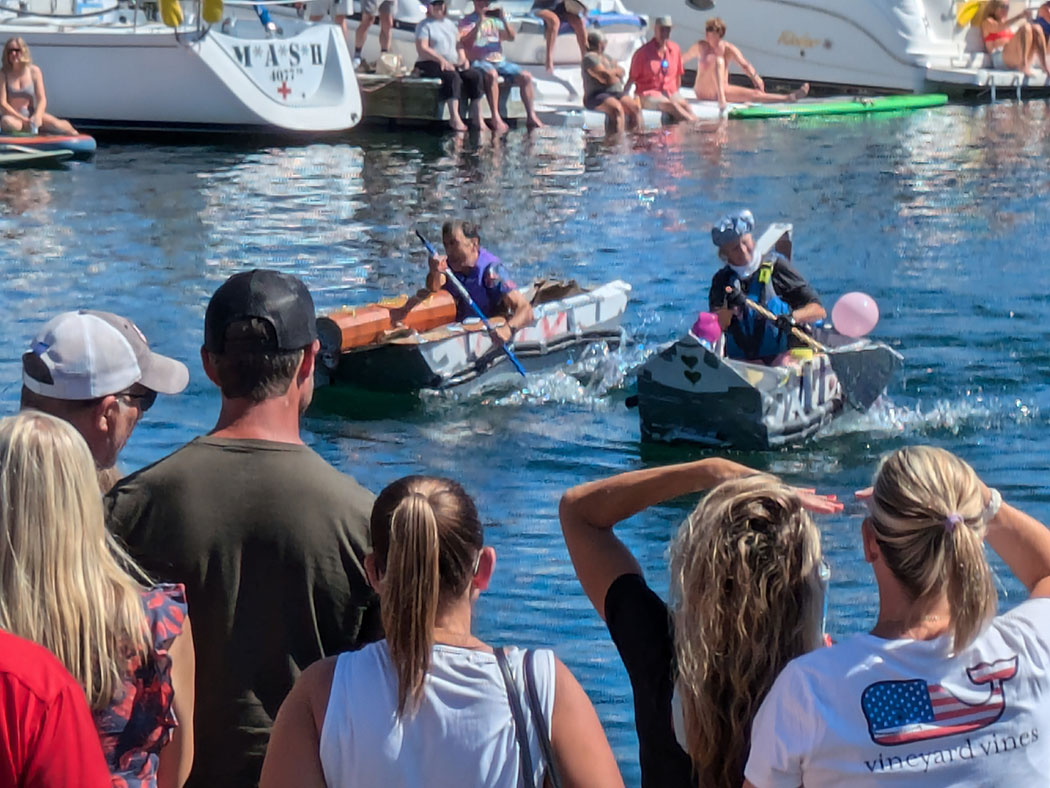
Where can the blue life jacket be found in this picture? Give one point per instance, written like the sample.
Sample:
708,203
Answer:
750,336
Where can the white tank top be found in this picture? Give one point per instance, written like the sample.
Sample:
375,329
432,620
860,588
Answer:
462,734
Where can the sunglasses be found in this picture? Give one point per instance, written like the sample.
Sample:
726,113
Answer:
14,51
142,400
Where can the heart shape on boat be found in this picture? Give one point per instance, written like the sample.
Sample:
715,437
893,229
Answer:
690,361
692,377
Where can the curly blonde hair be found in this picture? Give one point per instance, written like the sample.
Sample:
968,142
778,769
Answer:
747,599
916,490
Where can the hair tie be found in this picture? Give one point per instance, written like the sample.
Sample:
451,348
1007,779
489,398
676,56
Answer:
951,521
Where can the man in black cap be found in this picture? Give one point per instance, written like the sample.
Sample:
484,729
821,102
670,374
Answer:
268,538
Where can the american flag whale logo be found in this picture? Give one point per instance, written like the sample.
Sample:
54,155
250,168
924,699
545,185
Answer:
899,712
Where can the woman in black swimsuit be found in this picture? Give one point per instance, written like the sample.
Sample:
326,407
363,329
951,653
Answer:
22,98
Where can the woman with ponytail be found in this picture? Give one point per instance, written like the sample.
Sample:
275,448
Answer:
429,705
942,691
747,596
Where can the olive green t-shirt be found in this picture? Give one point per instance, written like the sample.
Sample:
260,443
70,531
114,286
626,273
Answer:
269,540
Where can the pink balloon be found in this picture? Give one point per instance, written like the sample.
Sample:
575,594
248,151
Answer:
855,314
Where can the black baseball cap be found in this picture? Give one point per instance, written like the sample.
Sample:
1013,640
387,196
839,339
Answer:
281,301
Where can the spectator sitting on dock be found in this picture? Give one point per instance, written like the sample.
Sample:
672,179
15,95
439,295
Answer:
748,586
714,55
603,87
482,274
553,13
1042,18
96,371
428,706
939,674
267,537
482,34
441,56
770,281
22,98
656,73
1008,48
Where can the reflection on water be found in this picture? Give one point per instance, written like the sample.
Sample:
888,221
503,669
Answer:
939,214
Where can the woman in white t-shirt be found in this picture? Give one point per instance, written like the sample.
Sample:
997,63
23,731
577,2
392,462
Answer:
942,691
429,705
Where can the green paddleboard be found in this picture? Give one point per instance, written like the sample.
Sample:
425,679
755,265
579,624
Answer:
838,106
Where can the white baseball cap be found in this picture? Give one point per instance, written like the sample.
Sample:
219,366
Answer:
86,354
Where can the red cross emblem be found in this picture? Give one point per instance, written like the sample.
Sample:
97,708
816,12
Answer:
284,90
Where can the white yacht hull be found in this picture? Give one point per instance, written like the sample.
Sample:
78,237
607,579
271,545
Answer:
912,46
143,76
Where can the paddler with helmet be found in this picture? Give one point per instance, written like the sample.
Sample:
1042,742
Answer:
769,280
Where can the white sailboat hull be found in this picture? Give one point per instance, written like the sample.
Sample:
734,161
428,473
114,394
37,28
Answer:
135,76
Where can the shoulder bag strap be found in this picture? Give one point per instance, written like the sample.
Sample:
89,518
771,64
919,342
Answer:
539,719
522,733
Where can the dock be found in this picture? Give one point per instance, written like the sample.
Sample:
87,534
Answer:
413,101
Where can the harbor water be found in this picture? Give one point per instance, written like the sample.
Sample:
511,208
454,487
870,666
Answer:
941,215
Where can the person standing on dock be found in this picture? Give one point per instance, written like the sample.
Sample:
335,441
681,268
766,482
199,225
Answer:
768,280
268,538
656,73
96,371
482,274
483,33
369,10
714,55
441,56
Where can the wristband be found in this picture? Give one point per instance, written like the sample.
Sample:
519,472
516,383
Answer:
992,507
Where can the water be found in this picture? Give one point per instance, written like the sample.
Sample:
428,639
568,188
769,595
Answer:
939,214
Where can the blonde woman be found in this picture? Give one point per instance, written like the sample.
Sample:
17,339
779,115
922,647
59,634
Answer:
941,692
22,98
62,586
429,705
747,585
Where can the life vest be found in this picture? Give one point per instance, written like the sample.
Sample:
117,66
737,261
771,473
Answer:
750,336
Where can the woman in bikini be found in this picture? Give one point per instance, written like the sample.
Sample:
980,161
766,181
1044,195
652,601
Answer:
22,98
1012,49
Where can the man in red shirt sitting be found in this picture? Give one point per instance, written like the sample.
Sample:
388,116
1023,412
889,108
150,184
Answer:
656,73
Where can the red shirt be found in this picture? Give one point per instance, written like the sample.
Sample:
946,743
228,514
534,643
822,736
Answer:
648,72
47,736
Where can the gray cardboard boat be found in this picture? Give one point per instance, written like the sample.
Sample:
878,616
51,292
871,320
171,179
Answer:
689,393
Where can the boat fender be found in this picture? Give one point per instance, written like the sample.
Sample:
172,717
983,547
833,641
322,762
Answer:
212,11
171,13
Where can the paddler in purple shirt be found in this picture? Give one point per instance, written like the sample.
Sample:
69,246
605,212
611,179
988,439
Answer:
483,275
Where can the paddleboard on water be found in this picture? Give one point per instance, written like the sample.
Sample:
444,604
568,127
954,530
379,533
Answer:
82,146
17,156
850,106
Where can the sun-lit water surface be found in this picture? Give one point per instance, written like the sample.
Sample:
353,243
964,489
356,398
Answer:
939,214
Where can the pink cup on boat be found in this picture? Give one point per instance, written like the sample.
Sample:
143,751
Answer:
706,328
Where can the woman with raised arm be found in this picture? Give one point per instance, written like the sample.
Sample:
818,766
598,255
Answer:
942,691
747,589
1009,47
432,704
64,584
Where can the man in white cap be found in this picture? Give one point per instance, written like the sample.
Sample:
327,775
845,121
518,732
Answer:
96,371
656,73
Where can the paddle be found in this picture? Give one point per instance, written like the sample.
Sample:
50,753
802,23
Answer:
477,310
